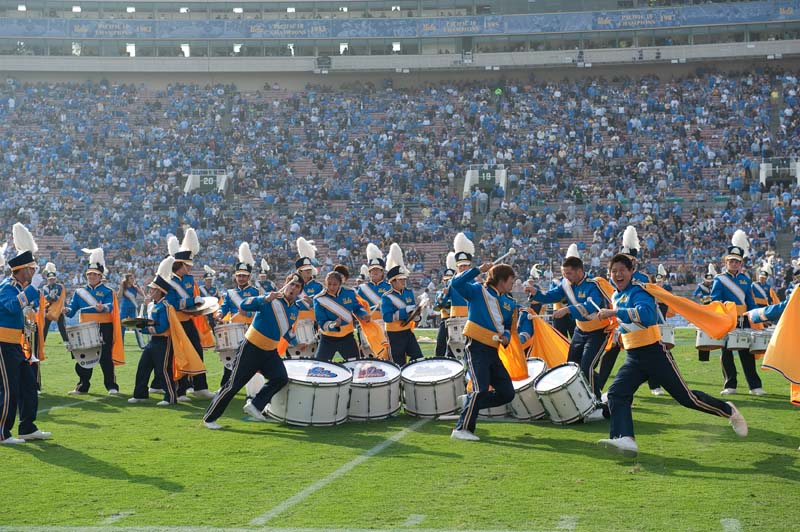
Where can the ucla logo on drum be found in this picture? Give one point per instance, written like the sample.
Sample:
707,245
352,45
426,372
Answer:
368,372
321,372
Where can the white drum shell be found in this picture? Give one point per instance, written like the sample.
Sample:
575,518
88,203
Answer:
667,335
569,401
305,333
308,402
759,340
738,339
229,335
526,403
455,335
227,357
84,336
254,385
704,342
431,386
373,398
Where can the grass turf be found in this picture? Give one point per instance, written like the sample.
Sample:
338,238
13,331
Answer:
115,464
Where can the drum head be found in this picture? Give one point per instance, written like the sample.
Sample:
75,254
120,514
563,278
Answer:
536,367
556,377
137,322
431,370
370,370
317,371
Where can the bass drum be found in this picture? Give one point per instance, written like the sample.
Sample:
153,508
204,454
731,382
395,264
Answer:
375,390
317,394
431,386
526,403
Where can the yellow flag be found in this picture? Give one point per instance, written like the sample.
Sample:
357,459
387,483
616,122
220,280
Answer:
781,355
117,346
512,355
186,361
548,344
376,339
715,319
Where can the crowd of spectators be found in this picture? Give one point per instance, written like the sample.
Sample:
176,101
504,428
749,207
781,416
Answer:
102,164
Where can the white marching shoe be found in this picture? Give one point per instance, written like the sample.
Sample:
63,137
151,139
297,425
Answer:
737,421
657,391
213,425
203,394
624,445
728,391
37,435
463,435
253,412
11,441
758,391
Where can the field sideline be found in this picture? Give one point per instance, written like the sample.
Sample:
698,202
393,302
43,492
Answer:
115,466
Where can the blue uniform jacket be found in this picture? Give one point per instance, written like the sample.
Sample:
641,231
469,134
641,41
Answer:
390,311
346,299
702,292
229,307
580,309
208,291
158,313
372,293
52,292
127,307
181,294
635,307
103,294
721,292
490,319
771,312
12,299
273,319
312,288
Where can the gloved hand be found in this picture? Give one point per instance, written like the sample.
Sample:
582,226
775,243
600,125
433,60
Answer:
199,300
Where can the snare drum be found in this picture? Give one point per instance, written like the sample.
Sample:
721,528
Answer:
229,336
305,333
375,390
667,335
455,335
738,339
759,340
317,394
704,342
431,386
565,394
85,343
526,404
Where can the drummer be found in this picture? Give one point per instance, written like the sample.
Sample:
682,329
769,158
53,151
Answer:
306,267
763,294
733,285
373,290
181,297
157,355
491,311
54,295
397,307
231,309
276,312
635,311
442,304
334,310
703,293
95,302
263,284
585,296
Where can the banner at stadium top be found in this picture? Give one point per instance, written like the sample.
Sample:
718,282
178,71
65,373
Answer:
638,19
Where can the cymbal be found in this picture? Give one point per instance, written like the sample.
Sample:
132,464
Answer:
137,323
414,313
209,306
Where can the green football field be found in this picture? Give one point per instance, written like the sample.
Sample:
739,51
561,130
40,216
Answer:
111,465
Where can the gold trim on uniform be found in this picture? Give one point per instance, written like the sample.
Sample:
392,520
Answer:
641,338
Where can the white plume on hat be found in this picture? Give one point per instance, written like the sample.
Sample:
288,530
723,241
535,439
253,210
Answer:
245,255
462,244
96,256
49,268
572,251
536,271
630,239
364,271
306,248
450,261
662,271
373,252
165,268
3,249
739,239
712,270
209,270
173,246
766,267
23,239
395,258
190,242
264,266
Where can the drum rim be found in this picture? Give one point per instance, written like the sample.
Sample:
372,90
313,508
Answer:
378,383
405,379
565,364
347,380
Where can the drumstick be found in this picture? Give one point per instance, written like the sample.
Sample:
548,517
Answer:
511,251
590,300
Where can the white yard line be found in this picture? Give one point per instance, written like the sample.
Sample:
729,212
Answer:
567,522
115,517
318,485
76,403
413,520
731,525
212,529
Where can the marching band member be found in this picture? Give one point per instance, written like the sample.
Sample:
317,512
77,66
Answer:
636,314
397,305
306,266
533,277
373,290
763,294
157,354
442,304
208,288
17,380
584,295
703,293
733,285
464,250
54,295
491,311
263,284
275,315
334,310
231,308
181,297
128,292
96,302
662,280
